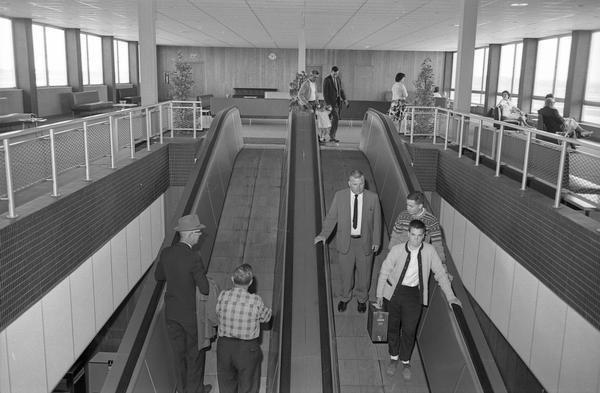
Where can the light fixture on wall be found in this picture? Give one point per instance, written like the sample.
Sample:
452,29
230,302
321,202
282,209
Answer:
272,56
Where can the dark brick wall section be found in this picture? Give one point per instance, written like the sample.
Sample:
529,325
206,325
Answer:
41,249
559,246
425,161
181,161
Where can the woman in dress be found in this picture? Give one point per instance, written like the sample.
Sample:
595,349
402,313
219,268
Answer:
399,96
509,110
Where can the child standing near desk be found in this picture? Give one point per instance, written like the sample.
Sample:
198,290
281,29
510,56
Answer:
323,122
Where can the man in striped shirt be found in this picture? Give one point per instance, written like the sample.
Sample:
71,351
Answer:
416,211
238,348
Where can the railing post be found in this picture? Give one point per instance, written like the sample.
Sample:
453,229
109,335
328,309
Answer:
478,152
160,121
447,129
147,130
412,123
561,169
461,132
435,123
131,139
194,118
171,117
53,163
9,184
526,161
499,153
86,152
113,148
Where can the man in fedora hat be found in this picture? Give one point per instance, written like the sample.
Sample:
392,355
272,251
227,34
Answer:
183,270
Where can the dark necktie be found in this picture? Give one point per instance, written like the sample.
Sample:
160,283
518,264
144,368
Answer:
355,214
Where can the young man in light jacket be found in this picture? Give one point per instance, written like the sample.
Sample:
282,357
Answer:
402,285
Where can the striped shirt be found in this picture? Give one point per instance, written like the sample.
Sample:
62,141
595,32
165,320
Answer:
433,232
240,314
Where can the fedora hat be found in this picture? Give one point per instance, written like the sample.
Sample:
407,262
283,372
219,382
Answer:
190,222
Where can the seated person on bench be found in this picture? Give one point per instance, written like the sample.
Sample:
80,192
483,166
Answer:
509,110
555,123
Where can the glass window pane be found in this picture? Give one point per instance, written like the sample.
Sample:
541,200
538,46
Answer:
7,60
453,82
507,61
57,57
592,84
478,65
476,99
591,114
536,105
544,67
123,62
39,54
95,60
562,66
84,63
517,71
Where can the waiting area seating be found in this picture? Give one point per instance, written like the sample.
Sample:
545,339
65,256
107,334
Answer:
89,103
129,95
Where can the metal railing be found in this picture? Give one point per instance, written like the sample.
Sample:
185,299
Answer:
571,166
43,153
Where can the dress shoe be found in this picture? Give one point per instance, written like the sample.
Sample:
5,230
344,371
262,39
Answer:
406,373
207,388
334,140
362,307
586,134
342,306
391,368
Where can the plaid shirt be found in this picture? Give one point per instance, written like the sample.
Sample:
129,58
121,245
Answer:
240,314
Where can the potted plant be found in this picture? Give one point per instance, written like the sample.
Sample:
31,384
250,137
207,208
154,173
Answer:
294,88
181,88
424,96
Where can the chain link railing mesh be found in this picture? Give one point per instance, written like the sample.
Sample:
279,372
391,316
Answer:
584,175
98,140
30,163
68,146
122,130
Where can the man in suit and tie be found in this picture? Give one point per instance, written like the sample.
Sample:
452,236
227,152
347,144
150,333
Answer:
183,270
357,214
334,95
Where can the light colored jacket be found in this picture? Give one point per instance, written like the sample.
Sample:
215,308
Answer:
392,266
206,314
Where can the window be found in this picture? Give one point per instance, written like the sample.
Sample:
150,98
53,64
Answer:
510,69
121,54
453,81
478,87
551,68
50,56
7,60
91,59
591,100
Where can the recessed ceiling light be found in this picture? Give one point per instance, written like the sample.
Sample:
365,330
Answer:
519,4
457,25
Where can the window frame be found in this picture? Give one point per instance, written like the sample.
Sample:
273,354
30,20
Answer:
514,74
87,54
46,68
11,50
117,61
586,102
559,100
482,92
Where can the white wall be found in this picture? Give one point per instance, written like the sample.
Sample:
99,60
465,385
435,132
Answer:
41,345
560,347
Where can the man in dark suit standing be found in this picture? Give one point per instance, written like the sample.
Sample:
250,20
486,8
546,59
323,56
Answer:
357,214
183,270
334,95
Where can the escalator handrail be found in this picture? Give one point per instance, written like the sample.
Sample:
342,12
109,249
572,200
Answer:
402,154
202,156
323,260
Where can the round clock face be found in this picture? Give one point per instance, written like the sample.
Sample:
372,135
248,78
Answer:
272,56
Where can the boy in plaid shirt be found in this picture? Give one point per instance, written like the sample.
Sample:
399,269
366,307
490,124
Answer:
238,348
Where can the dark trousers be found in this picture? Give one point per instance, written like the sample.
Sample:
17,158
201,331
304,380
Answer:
404,310
335,118
189,361
355,282
238,365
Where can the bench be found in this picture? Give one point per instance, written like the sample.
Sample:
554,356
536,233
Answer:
129,95
88,102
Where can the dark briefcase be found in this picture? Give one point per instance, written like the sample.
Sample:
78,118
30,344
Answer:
377,324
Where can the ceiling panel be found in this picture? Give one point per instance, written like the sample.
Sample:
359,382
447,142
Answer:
330,24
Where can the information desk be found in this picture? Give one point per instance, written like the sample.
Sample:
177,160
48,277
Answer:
251,92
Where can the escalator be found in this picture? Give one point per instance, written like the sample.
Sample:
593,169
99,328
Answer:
264,208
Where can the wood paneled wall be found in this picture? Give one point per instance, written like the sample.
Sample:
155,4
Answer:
366,75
